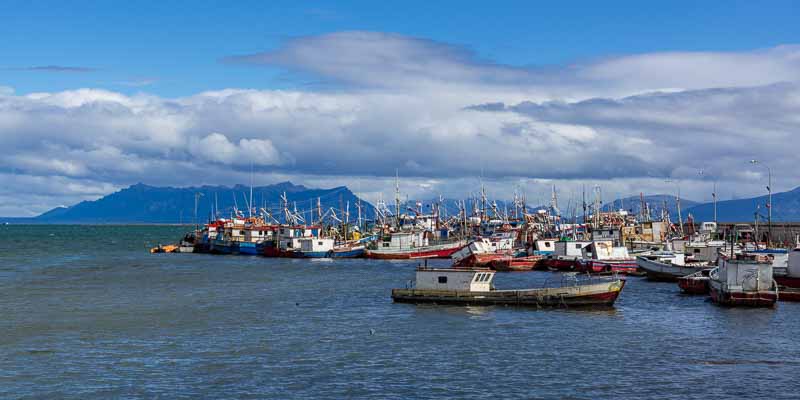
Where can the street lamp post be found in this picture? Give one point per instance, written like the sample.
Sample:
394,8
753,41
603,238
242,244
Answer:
769,200
702,173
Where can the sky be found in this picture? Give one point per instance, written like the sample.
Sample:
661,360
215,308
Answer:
519,96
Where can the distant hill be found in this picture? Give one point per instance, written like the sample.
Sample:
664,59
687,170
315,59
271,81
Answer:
785,208
149,204
656,202
141,203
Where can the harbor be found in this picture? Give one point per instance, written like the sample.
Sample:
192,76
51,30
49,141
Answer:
268,325
417,200
735,266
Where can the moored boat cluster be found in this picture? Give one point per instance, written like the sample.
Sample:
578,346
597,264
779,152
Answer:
731,267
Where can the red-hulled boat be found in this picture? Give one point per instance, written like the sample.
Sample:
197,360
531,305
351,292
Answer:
479,253
565,256
412,245
602,257
789,277
696,283
624,266
559,263
788,293
509,263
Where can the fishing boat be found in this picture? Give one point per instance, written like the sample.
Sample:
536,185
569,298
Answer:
788,276
696,283
668,266
411,245
743,280
788,293
286,240
543,247
478,254
475,287
566,255
327,248
510,263
603,257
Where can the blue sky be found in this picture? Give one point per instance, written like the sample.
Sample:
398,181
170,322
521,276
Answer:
175,49
95,96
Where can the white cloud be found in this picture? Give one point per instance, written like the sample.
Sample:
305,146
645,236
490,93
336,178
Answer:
217,148
437,112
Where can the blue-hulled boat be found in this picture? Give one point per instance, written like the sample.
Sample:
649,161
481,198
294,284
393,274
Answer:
328,248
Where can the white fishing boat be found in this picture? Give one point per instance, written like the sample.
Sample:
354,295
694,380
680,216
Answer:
743,280
668,266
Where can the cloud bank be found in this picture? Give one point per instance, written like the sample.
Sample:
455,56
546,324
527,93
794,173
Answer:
436,112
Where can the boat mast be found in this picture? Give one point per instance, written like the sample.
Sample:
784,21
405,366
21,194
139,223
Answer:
196,199
714,197
250,203
397,197
584,203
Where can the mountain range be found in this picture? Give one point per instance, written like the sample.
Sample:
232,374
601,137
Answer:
142,203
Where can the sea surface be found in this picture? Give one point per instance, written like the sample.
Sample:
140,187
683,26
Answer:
88,313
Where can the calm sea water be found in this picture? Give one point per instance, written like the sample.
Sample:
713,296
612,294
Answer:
88,313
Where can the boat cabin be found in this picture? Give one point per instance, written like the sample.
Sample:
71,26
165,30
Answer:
314,244
503,240
570,248
405,240
604,250
650,231
259,233
677,245
467,280
611,233
480,246
703,251
544,246
290,236
779,258
744,273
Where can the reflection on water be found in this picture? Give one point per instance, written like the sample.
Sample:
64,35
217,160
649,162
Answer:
88,313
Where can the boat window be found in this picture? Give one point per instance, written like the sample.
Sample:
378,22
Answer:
442,279
696,250
546,244
478,277
385,244
578,246
486,277
319,243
